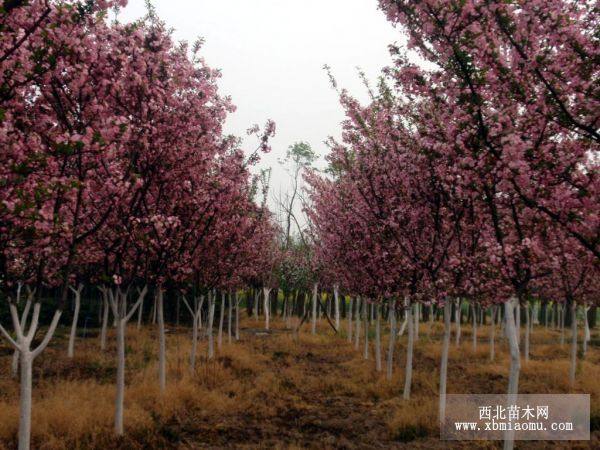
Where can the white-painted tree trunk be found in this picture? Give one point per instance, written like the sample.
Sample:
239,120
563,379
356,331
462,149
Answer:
474,313
221,321
535,320
154,311
378,338
366,324
409,351
211,317
492,334
196,322
229,318
140,313
350,307
457,316
392,341
417,320
22,344
73,334
573,367
289,304
562,324
336,299
444,362
25,400
586,329
24,316
267,306
502,322
313,324
120,394
515,365
237,317
117,301
403,326
518,322
527,330
162,341
357,323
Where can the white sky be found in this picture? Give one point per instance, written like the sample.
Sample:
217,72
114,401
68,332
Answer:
271,53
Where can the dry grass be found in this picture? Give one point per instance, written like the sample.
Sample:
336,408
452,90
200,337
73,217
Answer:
272,391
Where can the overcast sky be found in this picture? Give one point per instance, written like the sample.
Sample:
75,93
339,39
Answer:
272,52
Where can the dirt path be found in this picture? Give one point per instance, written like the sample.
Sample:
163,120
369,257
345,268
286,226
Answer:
308,414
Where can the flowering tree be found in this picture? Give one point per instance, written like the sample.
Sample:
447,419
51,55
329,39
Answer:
58,136
521,80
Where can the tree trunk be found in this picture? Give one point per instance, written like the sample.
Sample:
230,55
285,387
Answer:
229,319
195,320
357,323
515,364
162,341
350,319
518,322
237,317
378,338
527,330
256,296
196,314
266,294
457,319
392,341
417,319
221,320
120,394
474,326
586,329
492,334
24,316
140,313
73,334
573,343
211,318
409,352
403,326
154,311
336,299
313,325
118,304
22,344
444,363
26,360
562,325
366,324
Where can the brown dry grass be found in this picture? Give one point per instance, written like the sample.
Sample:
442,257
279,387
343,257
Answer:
273,391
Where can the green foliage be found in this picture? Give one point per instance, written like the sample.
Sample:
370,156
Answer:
300,154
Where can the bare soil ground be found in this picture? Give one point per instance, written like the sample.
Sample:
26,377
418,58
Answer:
274,390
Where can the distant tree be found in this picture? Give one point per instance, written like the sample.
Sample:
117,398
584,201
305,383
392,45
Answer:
298,157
